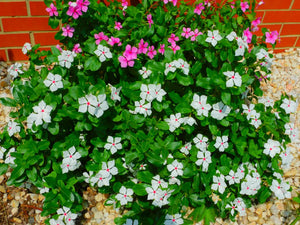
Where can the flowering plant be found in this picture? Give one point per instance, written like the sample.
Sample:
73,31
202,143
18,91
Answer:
158,104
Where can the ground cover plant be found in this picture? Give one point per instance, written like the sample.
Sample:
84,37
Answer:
157,104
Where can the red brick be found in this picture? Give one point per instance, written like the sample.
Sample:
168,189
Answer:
38,9
276,4
271,27
45,38
296,4
286,42
16,55
280,50
13,40
26,24
298,42
13,9
281,16
3,55
260,14
290,29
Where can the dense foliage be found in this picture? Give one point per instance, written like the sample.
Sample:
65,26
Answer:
158,104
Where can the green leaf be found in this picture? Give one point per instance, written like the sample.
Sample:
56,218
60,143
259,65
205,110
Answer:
32,174
196,200
162,125
253,149
16,173
140,189
263,194
196,68
198,213
3,168
157,106
53,128
226,97
53,22
175,97
8,102
210,215
145,176
92,64
184,80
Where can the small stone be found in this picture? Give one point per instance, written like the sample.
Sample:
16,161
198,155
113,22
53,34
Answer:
252,223
14,211
252,218
15,203
280,205
259,211
2,189
99,197
99,206
87,215
17,220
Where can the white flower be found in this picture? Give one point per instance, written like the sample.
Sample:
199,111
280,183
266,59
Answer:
2,150
240,206
204,159
10,159
125,195
67,215
115,93
280,190
220,111
12,128
221,143
174,180
286,158
234,79
41,113
232,178
262,54
242,45
175,168
102,178
26,48
53,81
69,164
156,92
144,72
142,108
15,69
88,103
271,148
289,105
231,36
110,167
101,105
181,64
71,153
189,120
266,101
152,192
200,104
170,67
219,184
66,58
131,222
113,144
291,131
173,219
162,198
251,184
56,222
232,206
213,37
250,111
186,148
44,190
255,120
103,53
201,142
146,92
142,167
156,182
174,121
88,176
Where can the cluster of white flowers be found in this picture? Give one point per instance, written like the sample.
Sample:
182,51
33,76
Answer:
213,37
175,168
94,105
251,183
241,42
103,53
103,177
144,72
12,128
8,158
53,82
115,93
173,219
263,54
41,114
151,92
286,158
15,69
237,205
234,79
177,64
66,58
70,160
113,144
125,195
252,115
158,192
66,217
280,189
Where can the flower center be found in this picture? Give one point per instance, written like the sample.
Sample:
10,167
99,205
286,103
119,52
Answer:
125,196
204,158
107,170
232,77
53,82
88,103
278,187
220,111
43,110
113,144
219,183
175,168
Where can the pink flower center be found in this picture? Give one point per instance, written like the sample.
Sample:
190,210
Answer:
270,149
43,110
156,92
107,170
113,144
100,178
154,192
141,106
173,220
222,143
88,103
10,128
232,77
232,177
103,52
288,105
213,37
175,168
200,141
204,159
278,187
125,196
65,214
176,120
71,156
148,92
219,183
202,108
68,165
53,82
99,104
220,111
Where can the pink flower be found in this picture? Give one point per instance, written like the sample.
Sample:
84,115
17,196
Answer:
68,31
232,5
77,48
83,5
150,21
99,37
58,47
151,52
124,4
199,8
186,32
112,41
142,47
244,6
272,37
174,1
174,47
195,34
255,24
161,49
248,34
130,52
74,10
52,10
118,25
173,38
125,61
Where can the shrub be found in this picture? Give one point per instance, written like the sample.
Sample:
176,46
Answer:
157,104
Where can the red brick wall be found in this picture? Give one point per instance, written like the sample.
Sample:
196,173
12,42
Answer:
27,21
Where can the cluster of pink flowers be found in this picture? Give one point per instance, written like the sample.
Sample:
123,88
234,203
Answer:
149,19
129,55
111,41
255,24
173,1
199,8
52,10
271,37
187,32
76,8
